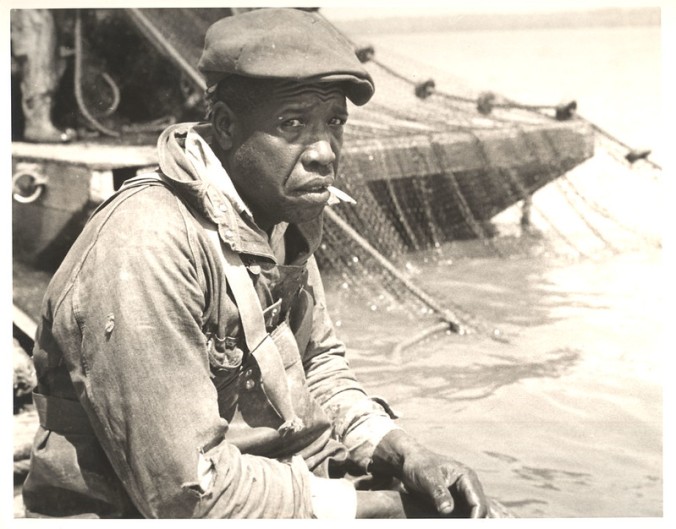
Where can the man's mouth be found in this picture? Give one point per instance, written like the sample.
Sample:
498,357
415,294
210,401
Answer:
325,191
317,185
320,188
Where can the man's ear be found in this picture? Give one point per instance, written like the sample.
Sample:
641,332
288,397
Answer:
223,123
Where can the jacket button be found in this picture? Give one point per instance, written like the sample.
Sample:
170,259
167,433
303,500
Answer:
248,373
249,384
229,234
255,269
223,207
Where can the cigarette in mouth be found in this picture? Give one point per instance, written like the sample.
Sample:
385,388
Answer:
337,196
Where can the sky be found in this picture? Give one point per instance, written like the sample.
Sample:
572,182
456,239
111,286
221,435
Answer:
421,8
344,8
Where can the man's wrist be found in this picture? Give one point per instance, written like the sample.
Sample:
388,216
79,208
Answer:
391,452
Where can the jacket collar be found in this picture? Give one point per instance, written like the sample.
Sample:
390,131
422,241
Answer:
189,164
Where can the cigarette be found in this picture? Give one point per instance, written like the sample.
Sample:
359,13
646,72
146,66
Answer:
340,195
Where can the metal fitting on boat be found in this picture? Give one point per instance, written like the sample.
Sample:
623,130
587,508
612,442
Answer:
637,154
365,53
27,185
425,89
565,111
485,102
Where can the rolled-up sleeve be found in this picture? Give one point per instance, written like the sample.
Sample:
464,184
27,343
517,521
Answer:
131,329
359,421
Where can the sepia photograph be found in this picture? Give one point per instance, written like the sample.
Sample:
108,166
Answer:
339,261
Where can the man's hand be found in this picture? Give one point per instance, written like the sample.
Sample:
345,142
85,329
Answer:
454,488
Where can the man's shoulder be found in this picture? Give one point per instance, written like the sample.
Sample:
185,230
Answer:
144,218
151,205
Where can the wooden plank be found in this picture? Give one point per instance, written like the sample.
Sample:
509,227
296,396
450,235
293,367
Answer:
93,155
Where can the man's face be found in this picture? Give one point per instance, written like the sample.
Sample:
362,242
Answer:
285,152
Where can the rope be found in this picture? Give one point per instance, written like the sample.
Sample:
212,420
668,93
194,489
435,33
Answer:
450,317
598,235
425,192
606,214
452,321
150,30
524,194
78,82
115,92
617,141
509,104
422,335
401,217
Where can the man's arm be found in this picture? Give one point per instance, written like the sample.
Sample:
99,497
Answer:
376,444
359,421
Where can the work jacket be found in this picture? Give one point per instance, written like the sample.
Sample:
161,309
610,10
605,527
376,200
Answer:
152,401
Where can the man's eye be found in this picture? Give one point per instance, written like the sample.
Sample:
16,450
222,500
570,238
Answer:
337,122
292,123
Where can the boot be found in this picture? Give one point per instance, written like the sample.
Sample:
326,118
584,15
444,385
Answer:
34,48
38,127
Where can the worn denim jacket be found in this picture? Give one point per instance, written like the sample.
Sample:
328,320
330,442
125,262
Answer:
140,338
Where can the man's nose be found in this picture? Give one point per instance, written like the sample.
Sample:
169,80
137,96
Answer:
319,153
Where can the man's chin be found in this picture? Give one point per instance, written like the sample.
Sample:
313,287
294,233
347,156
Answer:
301,216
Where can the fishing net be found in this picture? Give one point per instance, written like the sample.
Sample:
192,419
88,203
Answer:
429,167
448,167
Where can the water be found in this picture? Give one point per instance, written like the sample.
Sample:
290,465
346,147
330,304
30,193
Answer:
566,419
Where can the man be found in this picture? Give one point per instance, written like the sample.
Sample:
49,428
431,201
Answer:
187,365
34,46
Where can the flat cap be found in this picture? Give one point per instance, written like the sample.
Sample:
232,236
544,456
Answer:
285,44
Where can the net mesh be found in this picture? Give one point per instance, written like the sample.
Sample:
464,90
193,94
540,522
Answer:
441,171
